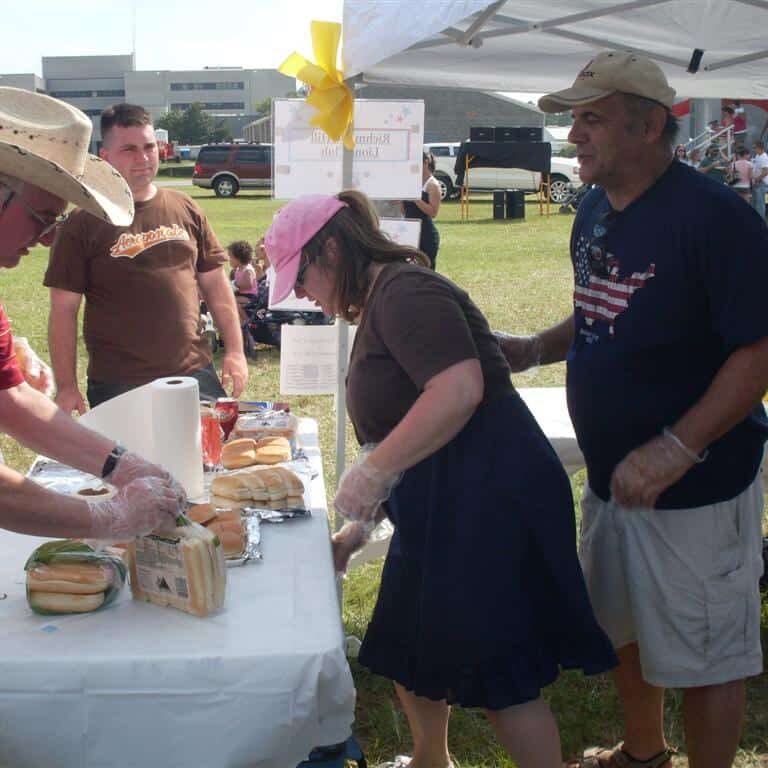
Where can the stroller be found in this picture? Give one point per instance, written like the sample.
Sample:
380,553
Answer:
572,202
263,325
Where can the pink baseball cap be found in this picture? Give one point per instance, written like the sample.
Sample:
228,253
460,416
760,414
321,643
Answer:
292,228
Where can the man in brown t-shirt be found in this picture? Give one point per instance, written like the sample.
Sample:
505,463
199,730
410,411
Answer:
140,284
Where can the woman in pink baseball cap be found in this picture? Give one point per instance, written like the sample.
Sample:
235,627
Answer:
482,598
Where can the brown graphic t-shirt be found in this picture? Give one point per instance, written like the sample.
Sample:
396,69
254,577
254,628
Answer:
142,311
416,324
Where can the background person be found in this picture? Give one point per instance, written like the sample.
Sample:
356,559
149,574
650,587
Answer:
759,174
742,174
713,164
481,599
45,140
140,284
426,209
245,279
667,352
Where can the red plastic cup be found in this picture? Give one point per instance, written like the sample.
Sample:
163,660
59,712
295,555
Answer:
226,409
211,438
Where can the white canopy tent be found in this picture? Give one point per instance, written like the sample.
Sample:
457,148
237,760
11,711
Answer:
529,45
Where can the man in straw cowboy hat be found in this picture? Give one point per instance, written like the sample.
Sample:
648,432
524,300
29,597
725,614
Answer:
141,283
44,164
667,352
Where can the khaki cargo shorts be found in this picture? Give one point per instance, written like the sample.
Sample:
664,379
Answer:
681,583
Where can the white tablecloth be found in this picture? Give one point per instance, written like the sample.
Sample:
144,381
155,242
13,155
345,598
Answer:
550,409
259,684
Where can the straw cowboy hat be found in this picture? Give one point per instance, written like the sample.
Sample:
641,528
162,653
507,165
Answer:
44,141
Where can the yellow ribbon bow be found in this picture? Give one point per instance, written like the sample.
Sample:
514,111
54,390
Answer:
328,93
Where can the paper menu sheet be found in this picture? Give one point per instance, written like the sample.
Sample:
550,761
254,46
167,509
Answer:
309,359
161,422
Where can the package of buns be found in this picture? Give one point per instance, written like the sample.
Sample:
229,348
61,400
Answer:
72,577
238,453
258,487
266,424
226,523
272,450
183,569
244,452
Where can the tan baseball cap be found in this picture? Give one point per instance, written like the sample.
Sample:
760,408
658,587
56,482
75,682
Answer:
611,72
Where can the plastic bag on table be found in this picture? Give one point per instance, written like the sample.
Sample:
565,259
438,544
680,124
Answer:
72,577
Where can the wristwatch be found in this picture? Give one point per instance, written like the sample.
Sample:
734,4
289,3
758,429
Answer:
111,461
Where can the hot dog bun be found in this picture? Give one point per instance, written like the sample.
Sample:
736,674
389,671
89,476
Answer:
70,578
238,453
57,602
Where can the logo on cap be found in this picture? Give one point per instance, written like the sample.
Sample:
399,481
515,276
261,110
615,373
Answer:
586,71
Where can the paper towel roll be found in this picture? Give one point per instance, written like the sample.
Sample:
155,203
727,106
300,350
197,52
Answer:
160,421
176,440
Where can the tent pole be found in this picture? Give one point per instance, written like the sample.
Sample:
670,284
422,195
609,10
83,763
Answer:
342,356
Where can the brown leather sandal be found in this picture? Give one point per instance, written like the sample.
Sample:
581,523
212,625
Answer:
600,757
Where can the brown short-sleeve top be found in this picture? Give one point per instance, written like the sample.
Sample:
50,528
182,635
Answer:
142,308
416,324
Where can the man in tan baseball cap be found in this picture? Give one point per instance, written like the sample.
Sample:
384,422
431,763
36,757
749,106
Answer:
667,360
44,164
612,72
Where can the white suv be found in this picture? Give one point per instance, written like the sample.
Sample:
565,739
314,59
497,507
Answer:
564,174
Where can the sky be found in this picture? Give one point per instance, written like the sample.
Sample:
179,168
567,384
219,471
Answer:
188,34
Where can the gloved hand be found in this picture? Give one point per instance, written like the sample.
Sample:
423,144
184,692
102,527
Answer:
138,508
645,473
130,466
347,540
36,373
363,488
522,352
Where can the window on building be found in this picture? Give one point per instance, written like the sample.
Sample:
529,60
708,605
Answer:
440,151
72,94
115,92
93,112
212,105
223,85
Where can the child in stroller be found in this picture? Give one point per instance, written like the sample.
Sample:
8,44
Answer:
249,281
245,275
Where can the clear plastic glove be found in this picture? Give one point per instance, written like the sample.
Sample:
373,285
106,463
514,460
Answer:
36,373
140,507
522,352
645,473
130,466
363,488
347,540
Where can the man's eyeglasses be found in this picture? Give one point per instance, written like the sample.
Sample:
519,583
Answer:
598,255
47,225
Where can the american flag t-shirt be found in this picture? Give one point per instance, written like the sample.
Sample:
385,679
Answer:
603,298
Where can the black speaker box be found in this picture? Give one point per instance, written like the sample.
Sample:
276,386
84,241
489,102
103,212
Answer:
480,134
498,203
532,133
515,203
507,134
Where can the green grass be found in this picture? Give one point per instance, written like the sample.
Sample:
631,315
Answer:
519,274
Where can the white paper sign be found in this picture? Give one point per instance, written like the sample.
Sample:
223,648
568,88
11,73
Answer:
389,140
309,359
402,231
